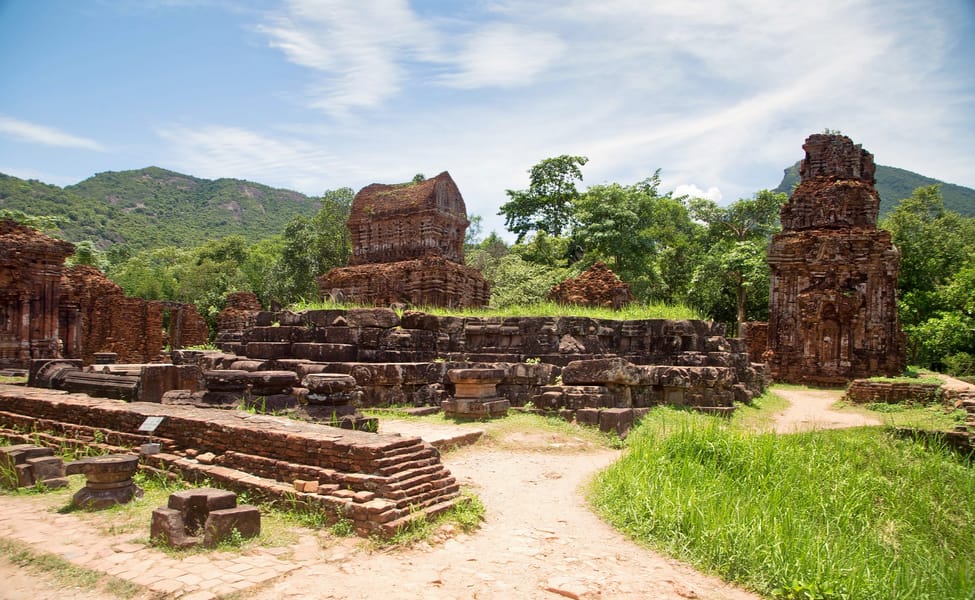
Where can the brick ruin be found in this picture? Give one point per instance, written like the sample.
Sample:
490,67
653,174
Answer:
555,364
31,265
49,311
596,286
408,247
833,298
379,482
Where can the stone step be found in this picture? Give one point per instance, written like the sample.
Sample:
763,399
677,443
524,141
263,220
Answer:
429,511
412,464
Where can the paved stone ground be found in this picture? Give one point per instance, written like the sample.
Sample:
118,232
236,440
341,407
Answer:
195,577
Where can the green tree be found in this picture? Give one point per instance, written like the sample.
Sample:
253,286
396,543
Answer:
737,243
645,236
547,204
311,248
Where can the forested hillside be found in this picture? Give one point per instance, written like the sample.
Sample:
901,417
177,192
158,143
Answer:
894,184
153,207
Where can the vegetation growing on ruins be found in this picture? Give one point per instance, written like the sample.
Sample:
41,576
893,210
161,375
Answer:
835,514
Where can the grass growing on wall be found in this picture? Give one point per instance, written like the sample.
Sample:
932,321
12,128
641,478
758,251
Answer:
851,514
542,309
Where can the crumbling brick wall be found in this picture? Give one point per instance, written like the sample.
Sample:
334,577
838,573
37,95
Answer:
596,286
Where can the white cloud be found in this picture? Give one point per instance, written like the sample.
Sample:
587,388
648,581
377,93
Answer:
503,55
33,133
692,191
216,151
356,45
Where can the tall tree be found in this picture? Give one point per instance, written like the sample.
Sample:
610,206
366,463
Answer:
737,242
547,204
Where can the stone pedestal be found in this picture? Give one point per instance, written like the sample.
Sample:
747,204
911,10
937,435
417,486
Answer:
475,394
108,480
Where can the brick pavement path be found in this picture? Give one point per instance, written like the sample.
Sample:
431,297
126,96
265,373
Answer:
194,577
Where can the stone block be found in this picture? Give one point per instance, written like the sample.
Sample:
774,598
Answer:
222,523
46,467
603,371
167,527
372,317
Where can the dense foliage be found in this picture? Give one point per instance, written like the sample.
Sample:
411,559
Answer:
669,249
893,184
937,280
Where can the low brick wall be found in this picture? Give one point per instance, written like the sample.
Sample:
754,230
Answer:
864,391
378,481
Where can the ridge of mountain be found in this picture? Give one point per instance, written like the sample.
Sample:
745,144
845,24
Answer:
894,184
152,207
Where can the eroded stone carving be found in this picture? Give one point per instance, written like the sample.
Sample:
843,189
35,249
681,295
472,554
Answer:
833,299
408,247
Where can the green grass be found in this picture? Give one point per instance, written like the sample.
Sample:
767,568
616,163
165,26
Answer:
934,417
851,514
542,309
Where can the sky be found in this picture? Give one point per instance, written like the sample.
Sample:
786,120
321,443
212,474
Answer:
315,95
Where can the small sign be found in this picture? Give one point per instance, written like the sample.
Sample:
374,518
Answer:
150,424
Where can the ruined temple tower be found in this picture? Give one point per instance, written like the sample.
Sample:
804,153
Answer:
833,297
408,247
31,265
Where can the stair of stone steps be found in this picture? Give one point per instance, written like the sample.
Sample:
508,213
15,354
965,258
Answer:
397,453
422,453
429,496
411,485
406,474
413,464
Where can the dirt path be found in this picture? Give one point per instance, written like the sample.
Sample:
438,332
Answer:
540,539
810,409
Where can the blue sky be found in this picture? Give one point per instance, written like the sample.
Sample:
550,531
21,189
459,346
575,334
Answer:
320,94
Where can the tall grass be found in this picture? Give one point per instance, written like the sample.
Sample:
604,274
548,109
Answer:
541,309
850,514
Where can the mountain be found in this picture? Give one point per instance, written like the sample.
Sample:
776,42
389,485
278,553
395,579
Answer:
153,207
895,184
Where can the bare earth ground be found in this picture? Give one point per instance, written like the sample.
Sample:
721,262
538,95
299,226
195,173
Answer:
539,541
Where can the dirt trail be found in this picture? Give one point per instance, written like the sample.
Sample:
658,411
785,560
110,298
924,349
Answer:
810,409
540,539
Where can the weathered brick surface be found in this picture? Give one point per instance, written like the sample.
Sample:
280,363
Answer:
833,299
863,391
31,265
